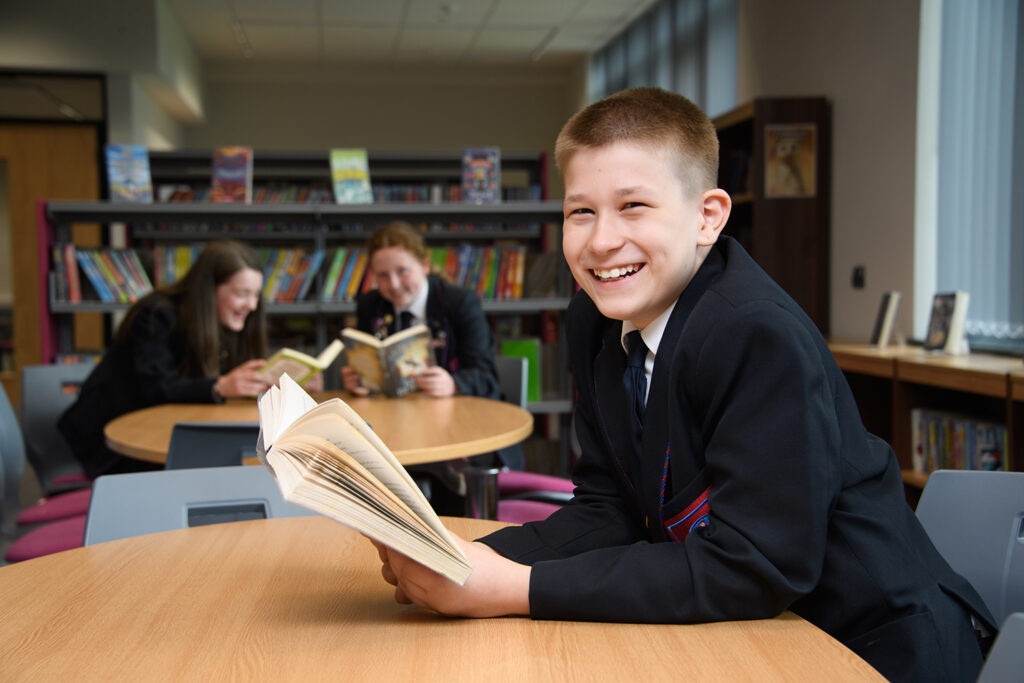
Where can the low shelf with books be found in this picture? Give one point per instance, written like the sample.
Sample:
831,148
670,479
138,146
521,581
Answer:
899,386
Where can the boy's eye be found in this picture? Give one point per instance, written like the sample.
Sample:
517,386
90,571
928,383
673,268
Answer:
579,211
633,205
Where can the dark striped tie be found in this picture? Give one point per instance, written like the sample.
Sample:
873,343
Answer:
635,380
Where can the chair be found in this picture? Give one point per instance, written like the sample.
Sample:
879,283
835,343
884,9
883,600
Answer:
46,392
1005,661
125,505
525,496
211,444
60,535
976,521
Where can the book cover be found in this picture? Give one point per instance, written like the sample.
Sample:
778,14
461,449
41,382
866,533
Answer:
301,366
481,175
350,175
946,324
128,173
326,458
881,335
333,276
232,175
389,366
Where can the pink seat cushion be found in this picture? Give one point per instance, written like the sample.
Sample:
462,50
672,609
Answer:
49,538
523,511
57,507
72,479
512,482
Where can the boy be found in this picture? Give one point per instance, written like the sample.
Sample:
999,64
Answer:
740,482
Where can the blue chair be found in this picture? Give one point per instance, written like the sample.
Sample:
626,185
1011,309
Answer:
976,520
138,503
211,444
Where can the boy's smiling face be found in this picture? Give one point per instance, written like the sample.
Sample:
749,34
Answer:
632,237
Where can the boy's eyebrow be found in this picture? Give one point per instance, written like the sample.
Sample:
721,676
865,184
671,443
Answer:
621,192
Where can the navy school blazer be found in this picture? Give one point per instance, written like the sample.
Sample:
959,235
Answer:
757,489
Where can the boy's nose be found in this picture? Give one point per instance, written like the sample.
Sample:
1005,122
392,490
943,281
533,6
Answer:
606,235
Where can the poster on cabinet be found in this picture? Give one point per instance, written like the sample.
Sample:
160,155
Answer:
789,163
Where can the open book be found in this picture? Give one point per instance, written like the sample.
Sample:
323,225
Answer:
390,365
327,459
300,365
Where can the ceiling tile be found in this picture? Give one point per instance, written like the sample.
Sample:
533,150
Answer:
362,12
362,44
290,43
525,13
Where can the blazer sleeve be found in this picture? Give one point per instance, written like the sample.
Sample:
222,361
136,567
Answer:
157,347
771,457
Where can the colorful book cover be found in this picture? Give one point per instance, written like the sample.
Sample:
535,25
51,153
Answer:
128,173
350,174
232,175
333,274
528,348
316,260
481,175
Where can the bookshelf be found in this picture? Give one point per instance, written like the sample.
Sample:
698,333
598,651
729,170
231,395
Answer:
890,383
532,222
775,162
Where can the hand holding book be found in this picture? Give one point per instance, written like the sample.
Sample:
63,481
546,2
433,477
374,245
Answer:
327,459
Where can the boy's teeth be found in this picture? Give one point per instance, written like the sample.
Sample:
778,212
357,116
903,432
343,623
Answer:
613,273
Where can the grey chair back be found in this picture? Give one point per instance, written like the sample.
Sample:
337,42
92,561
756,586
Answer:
12,464
1005,661
138,503
976,521
512,378
46,392
211,444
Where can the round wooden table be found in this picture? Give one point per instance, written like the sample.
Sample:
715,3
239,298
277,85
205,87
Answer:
301,599
418,429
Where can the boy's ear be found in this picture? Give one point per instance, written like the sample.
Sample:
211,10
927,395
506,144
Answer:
715,207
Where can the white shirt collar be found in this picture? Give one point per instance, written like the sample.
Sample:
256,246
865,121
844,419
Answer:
418,307
651,334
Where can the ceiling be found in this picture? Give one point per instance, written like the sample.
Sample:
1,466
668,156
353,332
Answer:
544,32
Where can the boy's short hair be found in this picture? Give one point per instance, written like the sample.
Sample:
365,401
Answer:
652,117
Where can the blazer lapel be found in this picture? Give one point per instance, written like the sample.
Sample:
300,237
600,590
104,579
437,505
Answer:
610,394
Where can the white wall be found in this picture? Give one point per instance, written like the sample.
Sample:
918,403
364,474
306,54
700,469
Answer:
863,57
412,109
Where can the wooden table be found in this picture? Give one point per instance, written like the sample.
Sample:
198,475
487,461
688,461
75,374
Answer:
417,428
302,599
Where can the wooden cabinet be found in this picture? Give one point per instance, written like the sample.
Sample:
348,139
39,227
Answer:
775,162
890,383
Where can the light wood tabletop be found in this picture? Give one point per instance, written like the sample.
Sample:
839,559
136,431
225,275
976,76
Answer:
417,428
302,599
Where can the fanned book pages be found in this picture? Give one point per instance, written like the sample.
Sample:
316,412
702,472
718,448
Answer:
327,459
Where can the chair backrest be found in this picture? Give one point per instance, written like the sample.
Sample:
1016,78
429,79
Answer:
125,505
211,444
1005,661
512,378
46,392
12,463
976,521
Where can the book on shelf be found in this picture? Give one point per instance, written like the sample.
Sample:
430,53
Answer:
481,175
945,440
301,366
946,323
350,176
232,175
128,173
326,458
389,366
885,321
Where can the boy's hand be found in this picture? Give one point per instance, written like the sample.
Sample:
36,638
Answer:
350,378
435,381
497,587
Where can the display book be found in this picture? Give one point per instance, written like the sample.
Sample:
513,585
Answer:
350,176
232,175
885,321
128,173
389,365
326,458
298,365
946,324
